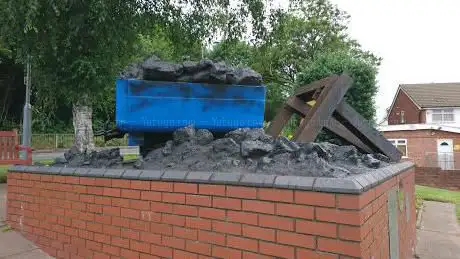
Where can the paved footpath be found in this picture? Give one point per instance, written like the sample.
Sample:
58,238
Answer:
439,233
12,244
2,204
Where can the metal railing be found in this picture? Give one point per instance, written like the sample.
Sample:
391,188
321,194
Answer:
58,141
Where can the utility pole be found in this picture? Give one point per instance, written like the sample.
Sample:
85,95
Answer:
202,50
27,116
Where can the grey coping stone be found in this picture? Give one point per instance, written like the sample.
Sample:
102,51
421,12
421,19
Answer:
68,170
399,168
132,174
406,165
354,184
81,171
96,172
294,182
53,170
363,181
387,172
337,185
198,177
114,173
25,168
226,178
264,180
151,175
367,181
379,176
17,168
174,175
393,169
35,169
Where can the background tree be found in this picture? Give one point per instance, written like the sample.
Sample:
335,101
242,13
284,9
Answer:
296,38
11,90
363,72
78,47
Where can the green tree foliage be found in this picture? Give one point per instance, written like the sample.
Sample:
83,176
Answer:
79,47
236,53
298,36
363,72
11,90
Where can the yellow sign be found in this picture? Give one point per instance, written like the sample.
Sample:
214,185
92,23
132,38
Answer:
311,103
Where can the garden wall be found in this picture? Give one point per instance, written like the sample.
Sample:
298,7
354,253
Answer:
81,213
436,177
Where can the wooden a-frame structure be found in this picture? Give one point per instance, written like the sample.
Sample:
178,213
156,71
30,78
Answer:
332,112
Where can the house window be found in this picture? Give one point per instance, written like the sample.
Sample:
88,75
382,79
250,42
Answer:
401,145
403,120
443,116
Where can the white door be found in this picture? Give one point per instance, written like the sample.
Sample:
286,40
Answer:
446,154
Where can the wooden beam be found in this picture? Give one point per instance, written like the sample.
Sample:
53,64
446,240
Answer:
318,116
315,85
282,117
298,105
356,123
332,125
337,128
332,113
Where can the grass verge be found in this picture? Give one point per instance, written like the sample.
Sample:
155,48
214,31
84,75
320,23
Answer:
129,157
3,170
436,194
46,161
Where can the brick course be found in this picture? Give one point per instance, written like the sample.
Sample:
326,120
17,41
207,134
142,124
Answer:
82,217
435,177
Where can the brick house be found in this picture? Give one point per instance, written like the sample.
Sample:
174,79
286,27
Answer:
424,124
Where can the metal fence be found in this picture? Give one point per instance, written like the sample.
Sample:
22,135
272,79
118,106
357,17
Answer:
57,141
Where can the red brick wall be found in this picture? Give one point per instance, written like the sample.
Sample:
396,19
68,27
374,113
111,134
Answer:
422,145
412,113
423,116
435,177
72,217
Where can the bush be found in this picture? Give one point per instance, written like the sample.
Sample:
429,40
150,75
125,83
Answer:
3,171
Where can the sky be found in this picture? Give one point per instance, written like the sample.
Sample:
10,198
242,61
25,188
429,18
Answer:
419,41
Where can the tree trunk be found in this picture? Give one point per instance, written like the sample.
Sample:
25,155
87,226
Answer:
83,125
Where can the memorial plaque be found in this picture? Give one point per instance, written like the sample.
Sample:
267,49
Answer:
393,209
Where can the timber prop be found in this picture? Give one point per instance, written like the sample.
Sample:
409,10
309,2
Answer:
321,104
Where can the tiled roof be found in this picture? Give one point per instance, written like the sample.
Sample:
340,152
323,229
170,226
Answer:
434,95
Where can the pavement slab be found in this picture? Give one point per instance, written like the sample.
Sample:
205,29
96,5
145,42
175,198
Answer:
33,254
439,232
2,204
13,244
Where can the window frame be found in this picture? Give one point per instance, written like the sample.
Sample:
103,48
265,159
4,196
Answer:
443,113
396,142
402,117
